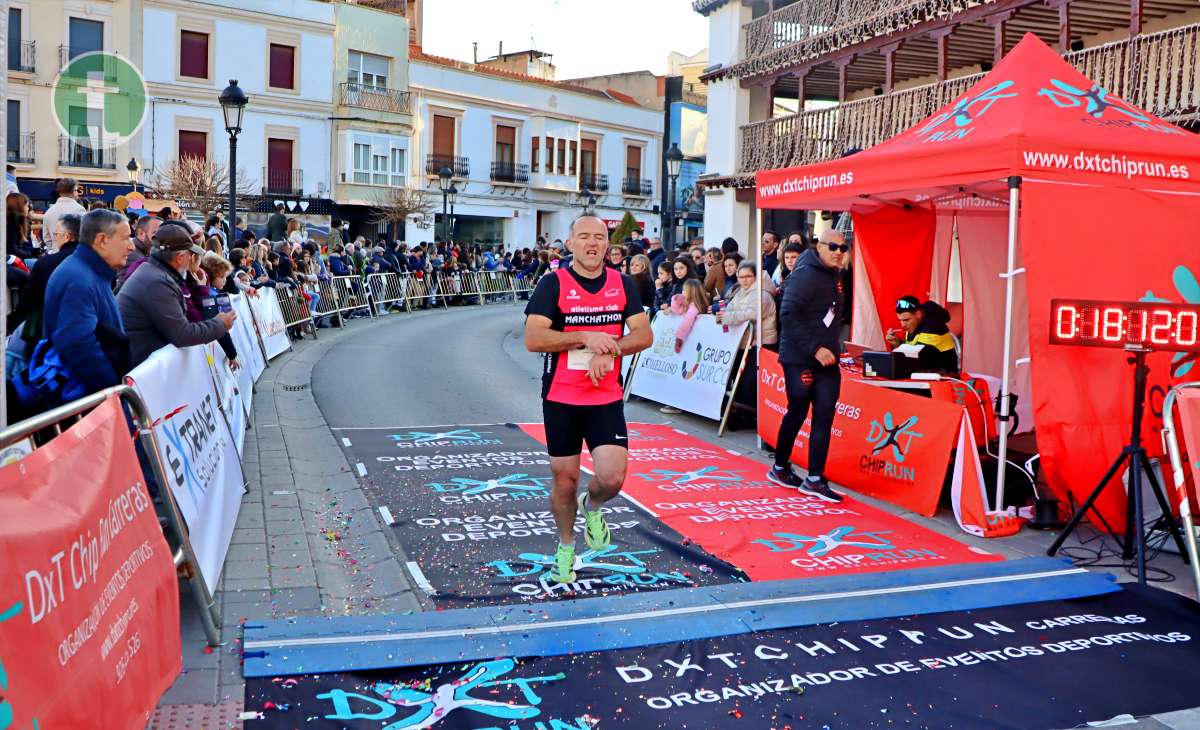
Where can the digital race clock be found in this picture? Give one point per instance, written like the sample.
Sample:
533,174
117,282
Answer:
1133,325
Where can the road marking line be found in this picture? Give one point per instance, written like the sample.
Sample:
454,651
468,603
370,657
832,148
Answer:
387,516
362,469
346,442
520,628
396,428
419,578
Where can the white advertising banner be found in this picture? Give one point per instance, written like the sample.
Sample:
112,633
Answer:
246,341
196,448
694,377
270,323
229,393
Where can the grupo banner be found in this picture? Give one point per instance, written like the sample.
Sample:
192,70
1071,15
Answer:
89,604
198,452
693,377
270,324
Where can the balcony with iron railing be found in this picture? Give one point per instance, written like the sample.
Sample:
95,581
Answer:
378,98
22,153
510,172
282,181
1143,71
636,185
74,152
103,62
22,56
593,182
460,167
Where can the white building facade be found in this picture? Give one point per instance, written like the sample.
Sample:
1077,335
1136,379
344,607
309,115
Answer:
280,52
528,155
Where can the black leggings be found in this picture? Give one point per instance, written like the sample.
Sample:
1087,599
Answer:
822,394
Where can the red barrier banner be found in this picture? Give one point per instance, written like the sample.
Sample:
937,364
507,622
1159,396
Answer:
890,445
722,501
89,604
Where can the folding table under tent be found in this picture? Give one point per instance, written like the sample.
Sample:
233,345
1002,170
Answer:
1055,189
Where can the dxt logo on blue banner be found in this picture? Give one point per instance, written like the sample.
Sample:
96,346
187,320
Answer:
511,487
430,707
456,437
609,568
964,114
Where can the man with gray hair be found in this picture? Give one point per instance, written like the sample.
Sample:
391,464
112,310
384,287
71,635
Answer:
152,300
81,319
143,236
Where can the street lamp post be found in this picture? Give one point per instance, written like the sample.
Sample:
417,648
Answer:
133,170
233,104
444,177
452,196
674,165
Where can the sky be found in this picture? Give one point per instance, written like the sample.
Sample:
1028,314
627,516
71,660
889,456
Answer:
587,38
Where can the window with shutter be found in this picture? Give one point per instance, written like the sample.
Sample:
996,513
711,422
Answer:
193,144
283,66
536,155
193,54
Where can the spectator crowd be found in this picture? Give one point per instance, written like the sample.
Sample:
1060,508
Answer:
96,292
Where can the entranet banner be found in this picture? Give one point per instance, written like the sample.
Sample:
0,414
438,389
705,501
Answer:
89,604
723,502
471,508
197,449
1012,667
694,377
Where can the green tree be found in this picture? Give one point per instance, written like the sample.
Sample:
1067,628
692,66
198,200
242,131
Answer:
624,229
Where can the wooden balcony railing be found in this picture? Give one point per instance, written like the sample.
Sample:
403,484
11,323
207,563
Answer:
1159,72
810,28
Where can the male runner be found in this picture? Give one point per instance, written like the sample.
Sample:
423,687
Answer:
576,315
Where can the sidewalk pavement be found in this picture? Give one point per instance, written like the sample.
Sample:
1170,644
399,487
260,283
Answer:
306,543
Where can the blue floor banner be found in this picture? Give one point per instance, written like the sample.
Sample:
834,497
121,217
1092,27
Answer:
1054,664
470,508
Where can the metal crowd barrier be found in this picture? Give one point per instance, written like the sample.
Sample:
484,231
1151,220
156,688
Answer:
388,289
1171,439
185,556
422,290
351,294
295,308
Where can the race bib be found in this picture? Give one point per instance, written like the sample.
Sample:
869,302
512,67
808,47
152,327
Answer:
579,359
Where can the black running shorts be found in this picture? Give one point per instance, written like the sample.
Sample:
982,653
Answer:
568,427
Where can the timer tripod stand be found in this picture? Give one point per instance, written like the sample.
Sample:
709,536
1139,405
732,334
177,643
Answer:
1134,456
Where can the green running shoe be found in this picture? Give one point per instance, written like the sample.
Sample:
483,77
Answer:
564,565
596,535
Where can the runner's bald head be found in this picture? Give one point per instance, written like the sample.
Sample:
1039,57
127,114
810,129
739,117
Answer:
589,220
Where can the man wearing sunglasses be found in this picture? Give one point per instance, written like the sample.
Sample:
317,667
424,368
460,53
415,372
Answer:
926,325
810,323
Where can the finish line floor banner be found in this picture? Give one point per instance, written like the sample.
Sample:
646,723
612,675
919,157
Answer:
470,506
1055,664
723,502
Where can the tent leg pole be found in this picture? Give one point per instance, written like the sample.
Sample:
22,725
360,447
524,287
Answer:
1014,200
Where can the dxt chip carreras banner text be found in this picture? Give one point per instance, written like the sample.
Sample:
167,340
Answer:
89,605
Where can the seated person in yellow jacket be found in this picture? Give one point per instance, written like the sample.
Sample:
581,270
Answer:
926,325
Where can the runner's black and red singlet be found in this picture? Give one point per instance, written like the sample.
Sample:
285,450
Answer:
573,303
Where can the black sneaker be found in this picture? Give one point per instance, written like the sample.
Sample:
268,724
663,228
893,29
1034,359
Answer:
784,476
820,490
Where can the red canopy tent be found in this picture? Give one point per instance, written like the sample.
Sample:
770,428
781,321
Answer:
1034,161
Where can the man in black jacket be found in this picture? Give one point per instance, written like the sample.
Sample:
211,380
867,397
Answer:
810,322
